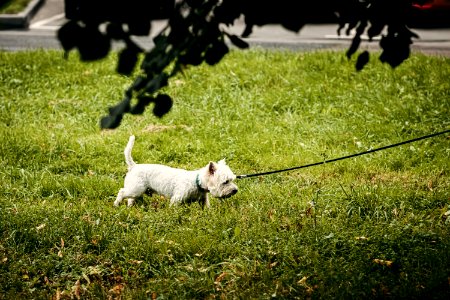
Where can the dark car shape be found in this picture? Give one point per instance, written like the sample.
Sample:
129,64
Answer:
430,13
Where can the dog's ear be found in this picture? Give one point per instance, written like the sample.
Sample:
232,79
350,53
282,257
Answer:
222,162
212,168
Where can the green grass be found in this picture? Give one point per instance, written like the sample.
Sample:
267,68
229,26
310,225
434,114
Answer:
380,226
13,6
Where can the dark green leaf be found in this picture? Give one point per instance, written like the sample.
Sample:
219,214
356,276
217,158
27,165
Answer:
191,58
156,83
69,35
361,27
293,25
128,58
238,42
227,12
247,30
163,104
139,83
156,60
352,25
216,53
139,28
115,31
395,48
121,108
354,46
111,121
375,29
93,45
143,102
362,60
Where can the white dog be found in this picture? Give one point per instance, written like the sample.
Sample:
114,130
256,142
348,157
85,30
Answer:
177,184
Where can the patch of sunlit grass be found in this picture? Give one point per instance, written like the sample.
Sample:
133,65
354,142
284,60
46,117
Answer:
373,226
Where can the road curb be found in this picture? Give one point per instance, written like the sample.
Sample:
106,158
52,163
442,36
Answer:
22,19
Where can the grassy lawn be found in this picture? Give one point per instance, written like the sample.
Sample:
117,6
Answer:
13,6
376,226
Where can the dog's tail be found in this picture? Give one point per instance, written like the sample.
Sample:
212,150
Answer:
129,160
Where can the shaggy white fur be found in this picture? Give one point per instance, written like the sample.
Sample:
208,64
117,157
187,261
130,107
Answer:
177,184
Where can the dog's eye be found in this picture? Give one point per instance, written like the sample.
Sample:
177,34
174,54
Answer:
226,182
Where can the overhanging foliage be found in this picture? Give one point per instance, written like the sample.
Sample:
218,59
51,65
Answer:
197,33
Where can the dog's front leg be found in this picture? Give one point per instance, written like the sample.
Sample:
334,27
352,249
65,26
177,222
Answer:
204,201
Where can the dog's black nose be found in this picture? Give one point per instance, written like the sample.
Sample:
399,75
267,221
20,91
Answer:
234,191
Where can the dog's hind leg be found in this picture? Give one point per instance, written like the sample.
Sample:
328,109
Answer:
119,197
130,194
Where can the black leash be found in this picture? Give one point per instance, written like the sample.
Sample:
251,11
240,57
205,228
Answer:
346,157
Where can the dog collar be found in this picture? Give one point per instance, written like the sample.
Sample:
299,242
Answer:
199,185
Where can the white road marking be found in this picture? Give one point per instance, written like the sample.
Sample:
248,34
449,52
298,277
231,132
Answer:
350,37
42,24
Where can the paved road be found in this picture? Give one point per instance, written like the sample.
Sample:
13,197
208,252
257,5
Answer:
42,34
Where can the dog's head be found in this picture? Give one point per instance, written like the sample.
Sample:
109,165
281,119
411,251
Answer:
220,180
